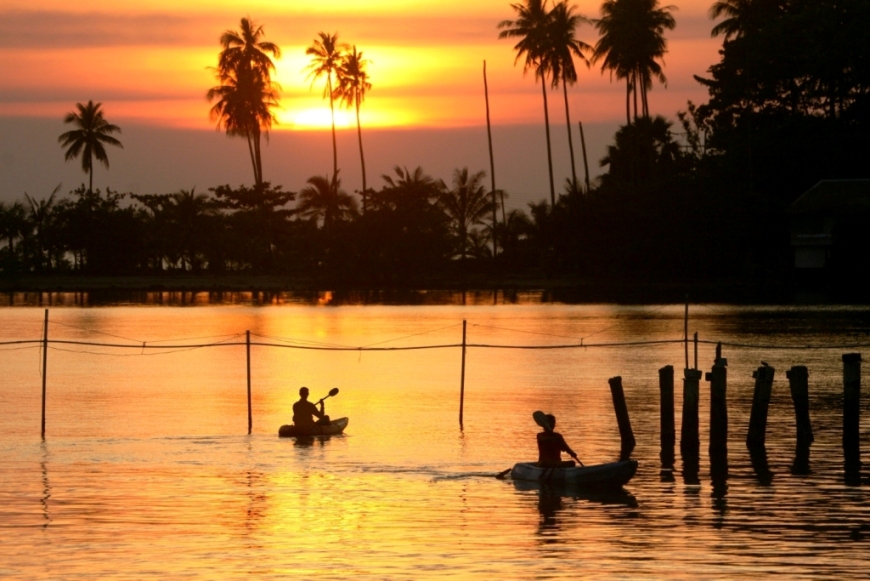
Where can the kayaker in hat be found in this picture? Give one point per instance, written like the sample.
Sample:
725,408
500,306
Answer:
304,411
551,444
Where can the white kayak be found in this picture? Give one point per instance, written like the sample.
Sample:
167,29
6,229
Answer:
610,475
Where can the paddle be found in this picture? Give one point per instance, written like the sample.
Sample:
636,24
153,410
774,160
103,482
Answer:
332,392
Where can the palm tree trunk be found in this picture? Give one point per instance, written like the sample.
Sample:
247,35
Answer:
362,158
628,101
634,92
91,179
549,149
259,157
332,114
568,122
250,141
585,159
491,165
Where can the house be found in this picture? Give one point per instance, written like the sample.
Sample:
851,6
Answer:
829,224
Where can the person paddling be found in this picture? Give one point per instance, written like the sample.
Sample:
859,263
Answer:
304,411
551,444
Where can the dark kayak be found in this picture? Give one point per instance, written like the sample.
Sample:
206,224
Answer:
332,428
610,475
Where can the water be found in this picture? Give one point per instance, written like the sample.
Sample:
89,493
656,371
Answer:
147,470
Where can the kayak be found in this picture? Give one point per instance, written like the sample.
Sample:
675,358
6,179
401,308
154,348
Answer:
610,475
332,428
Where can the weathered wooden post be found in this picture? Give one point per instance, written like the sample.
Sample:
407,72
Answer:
44,367
248,350
799,386
760,405
668,433
690,443
852,417
718,449
622,419
462,380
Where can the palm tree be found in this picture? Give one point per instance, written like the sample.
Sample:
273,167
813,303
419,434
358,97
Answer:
93,131
13,223
564,46
467,204
532,29
743,15
246,94
189,211
323,199
631,43
327,55
353,83
39,218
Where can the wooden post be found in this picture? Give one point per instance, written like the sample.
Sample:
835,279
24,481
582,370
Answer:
491,163
668,435
718,449
686,332
44,367
690,445
248,350
462,380
851,416
798,385
622,419
696,351
760,405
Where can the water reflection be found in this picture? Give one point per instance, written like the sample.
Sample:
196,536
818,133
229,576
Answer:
46,485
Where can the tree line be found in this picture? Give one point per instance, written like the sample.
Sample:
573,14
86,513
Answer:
789,104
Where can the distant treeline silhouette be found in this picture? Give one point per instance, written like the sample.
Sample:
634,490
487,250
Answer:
789,105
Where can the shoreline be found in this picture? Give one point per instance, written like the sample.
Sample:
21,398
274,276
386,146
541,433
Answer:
511,289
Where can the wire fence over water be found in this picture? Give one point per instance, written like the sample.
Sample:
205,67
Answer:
122,346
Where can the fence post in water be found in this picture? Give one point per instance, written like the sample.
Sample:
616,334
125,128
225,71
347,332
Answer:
799,386
462,379
851,415
668,435
44,367
248,350
622,419
690,443
718,379
760,404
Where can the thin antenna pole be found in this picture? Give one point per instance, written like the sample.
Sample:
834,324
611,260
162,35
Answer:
491,163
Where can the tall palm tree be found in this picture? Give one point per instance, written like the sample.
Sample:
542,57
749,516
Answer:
564,46
353,83
327,53
467,204
631,44
246,94
323,199
87,140
532,29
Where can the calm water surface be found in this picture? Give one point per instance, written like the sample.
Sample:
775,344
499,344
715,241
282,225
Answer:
147,470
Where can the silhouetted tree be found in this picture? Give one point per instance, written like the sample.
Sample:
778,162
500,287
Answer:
93,131
466,204
327,54
246,94
532,28
353,84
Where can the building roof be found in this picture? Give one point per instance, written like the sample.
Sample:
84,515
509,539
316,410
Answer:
833,196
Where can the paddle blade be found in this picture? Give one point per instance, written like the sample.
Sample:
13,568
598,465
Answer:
333,391
541,419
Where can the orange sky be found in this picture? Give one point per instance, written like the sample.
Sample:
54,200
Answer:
149,62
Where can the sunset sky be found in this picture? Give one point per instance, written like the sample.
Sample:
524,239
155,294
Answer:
148,63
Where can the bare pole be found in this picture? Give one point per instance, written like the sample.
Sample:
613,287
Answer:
248,350
462,380
44,367
491,163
